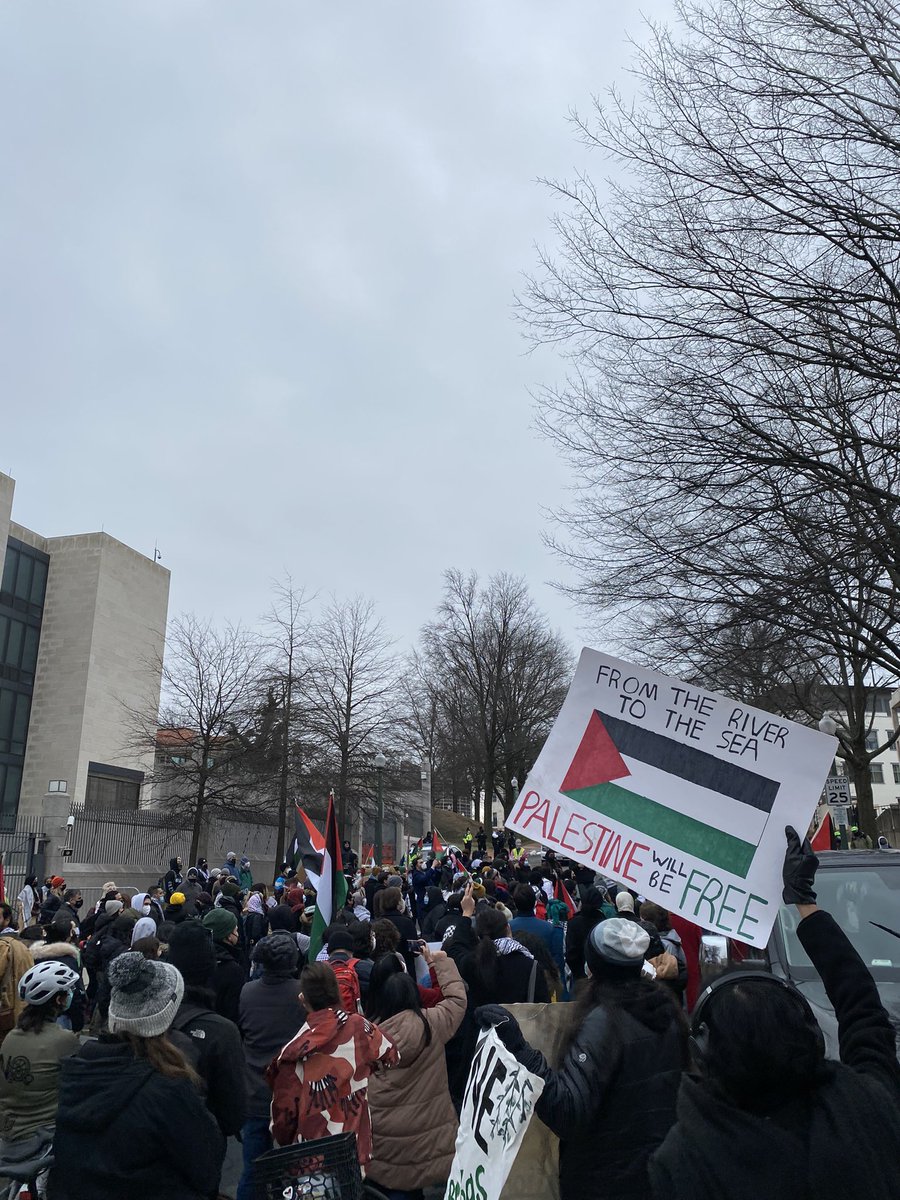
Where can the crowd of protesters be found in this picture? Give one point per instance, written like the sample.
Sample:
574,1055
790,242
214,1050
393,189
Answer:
141,1034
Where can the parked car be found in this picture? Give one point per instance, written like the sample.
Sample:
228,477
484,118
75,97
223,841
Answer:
861,890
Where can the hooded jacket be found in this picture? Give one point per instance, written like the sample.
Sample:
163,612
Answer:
800,1151
65,952
413,1119
320,1079
228,980
123,1126
172,878
612,1101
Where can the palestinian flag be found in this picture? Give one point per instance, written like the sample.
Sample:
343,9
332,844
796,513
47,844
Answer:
332,890
308,846
561,892
436,843
619,766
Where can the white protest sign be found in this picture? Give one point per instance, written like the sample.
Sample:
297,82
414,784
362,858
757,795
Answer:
678,793
499,1100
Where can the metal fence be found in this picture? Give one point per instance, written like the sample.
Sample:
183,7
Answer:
21,854
889,824
113,835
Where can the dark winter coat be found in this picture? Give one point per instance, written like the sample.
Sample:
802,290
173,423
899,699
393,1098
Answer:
49,909
122,1128
435,908
841,1139
577,932
408,933
514,972
612,1101
271,1016
217,1057
228,980
172,878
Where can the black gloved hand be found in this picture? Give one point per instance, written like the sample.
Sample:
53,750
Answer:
505,1024
799,870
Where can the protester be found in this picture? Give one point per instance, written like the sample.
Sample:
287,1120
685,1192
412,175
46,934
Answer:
173,878
413,1120
671,940
15,961
230,866
56,889
30,1058
270,1015
526,922
28,902
256,919
229,975
579,927
768,1115
612,1101
497,969
216,1052
319,1080
131,1119
61,947
245,875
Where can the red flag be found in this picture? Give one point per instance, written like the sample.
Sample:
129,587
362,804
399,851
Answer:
3,877
436,843
821,839
560,893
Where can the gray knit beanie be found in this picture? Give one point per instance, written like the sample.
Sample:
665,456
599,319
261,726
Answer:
145,995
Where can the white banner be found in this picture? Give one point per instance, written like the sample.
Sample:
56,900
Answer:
678,793
499,1100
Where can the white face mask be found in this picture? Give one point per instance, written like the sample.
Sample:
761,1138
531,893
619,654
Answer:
146,910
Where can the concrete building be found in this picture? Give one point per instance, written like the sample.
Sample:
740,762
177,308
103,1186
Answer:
885,767
82,630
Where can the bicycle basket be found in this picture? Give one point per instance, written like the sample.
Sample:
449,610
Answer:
325,1169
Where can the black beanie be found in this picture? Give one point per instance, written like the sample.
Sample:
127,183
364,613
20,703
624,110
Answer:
340,939
191,951
277,954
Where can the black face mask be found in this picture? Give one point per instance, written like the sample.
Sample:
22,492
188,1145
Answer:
76,904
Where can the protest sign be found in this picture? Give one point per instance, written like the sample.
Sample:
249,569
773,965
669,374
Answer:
497,1106
678,793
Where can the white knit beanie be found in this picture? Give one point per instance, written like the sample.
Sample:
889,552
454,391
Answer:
145,995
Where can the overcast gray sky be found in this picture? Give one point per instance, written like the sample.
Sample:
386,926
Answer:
258,266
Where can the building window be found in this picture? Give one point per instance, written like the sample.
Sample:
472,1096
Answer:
871,741
896,768
112,787
881,705
876,772
18,649
14,711
10,783
23,585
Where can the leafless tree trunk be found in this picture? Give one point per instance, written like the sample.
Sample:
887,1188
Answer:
287,645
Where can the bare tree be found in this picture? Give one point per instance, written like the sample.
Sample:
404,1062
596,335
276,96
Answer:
499,673
213,721
287,666
349,693
731,310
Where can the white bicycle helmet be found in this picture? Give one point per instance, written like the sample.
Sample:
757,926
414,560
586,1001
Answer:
45,980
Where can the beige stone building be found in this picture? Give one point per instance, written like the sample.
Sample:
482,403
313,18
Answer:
82,621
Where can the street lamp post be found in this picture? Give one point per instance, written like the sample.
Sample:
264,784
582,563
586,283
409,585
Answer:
379,762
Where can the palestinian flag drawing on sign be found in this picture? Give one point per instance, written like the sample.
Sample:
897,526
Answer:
619,765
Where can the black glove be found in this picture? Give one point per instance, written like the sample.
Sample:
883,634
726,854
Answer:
504,1023
799,870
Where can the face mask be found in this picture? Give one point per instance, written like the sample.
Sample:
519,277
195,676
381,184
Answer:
146,910
68,1003
77,904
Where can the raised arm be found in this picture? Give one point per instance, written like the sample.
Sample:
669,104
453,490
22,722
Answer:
866,1035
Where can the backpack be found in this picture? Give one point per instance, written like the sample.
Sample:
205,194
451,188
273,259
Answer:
90,953
348,983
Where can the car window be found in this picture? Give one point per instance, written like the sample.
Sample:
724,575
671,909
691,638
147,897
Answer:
860,901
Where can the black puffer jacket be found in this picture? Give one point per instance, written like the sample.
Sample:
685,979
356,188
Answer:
122,1128
800,1150
612,1101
